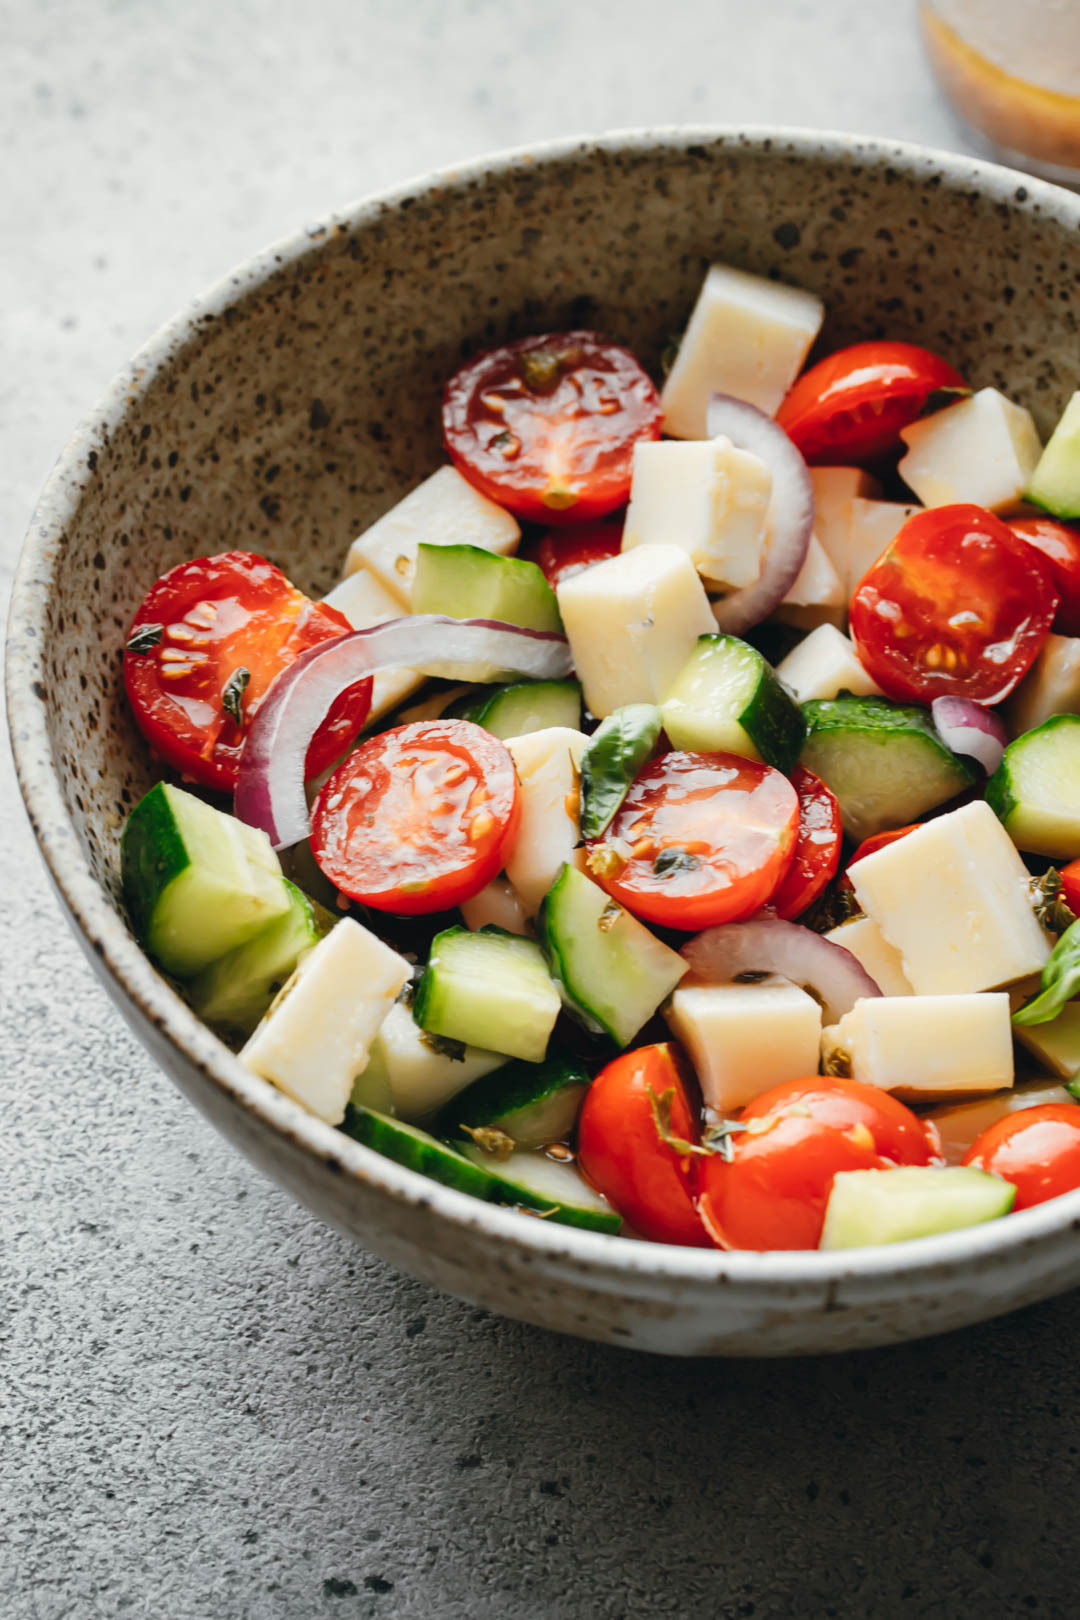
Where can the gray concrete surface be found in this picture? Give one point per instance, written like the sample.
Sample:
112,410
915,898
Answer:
210,1407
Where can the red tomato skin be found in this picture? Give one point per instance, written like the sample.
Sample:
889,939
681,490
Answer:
1070,886
850,407
382,855
182,719
817,846
1059,545
737,817
946,563
900,1135
1036,1149
621,1154
562,553
773,1192
559,476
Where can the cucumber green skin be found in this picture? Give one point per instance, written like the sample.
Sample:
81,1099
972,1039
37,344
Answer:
436,1006
152,854
467,582
510,1091
1003,795
234,992
522,707
771,718
417,1150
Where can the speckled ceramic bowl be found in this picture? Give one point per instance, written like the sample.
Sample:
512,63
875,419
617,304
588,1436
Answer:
298,400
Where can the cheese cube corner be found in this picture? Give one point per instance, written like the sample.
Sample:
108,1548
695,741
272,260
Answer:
872,951
705,496
744,1038
747,336
929,1046
632,623
823,665
983,449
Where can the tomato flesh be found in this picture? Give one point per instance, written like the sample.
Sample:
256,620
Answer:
773,1190
217,616
957,605
620,1151
851,406
547,426
1070,886
817,846
699,839
1059,546
562,553
1037,1149
418,817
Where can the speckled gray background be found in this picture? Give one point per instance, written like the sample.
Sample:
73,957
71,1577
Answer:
210,1407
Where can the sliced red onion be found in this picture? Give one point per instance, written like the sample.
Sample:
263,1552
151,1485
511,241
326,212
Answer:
969,728
270,786
790,515
769,945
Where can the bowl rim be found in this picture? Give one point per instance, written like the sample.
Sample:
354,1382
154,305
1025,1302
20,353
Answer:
601,1260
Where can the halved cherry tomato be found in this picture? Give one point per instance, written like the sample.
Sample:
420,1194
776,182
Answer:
817,846
871,845
228,625
1070,886
772,1192
562,553
850,407
699,839
1059,545
1037,1149
956,605
620,1151
417,819
547,426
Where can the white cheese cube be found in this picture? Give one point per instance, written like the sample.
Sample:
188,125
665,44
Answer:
869,947
744,1038
1051,686
983,450
928,1046
835,489
445,510
316,1037
1055,1043
747,336
874,525
823,665
548,766
952,898
408,1072
364,602
817,596
632,623
705,496
498,905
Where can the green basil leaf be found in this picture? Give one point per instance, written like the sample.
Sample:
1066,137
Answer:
615,752
1060,982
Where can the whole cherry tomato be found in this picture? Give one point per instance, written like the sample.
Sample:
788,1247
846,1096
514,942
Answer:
620,1150
956,605
850,407
1059,545
699,839
417,818
1036,1149
207,641
817,846
547,426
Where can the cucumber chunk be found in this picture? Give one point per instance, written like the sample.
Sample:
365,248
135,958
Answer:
571,1204
411,1072
524,706
197,883
533,1103
1055,483
884,761
613,973
1035,791
612,757
233,993
892,1206
466,582
727,699
551,1185
489,989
